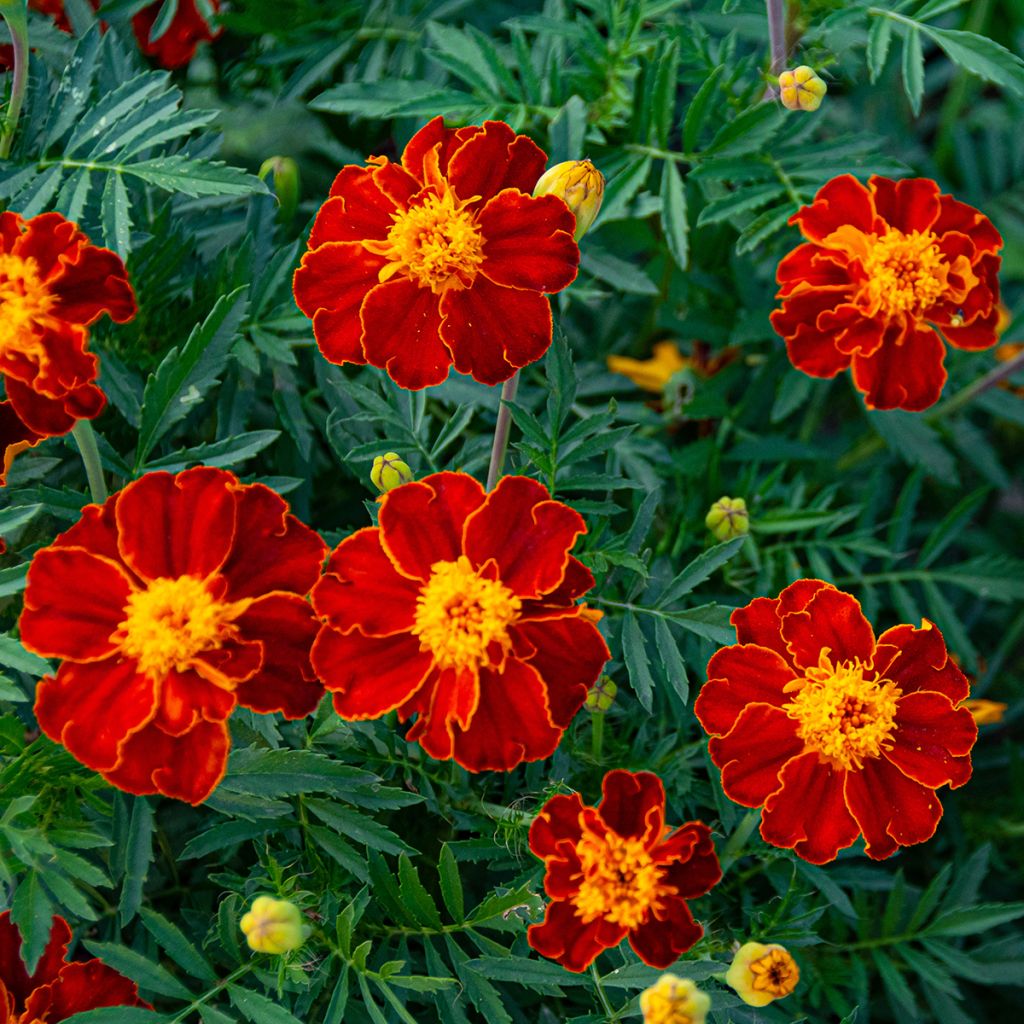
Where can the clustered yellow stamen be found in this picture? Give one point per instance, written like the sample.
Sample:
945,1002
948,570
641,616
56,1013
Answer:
621,883
24,300
461,614
906,274
844,711
437,243
776,973
172,621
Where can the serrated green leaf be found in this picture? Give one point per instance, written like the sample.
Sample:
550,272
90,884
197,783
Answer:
140,969
981,56
913,69
699,569
637,664
451,884
974,920
31,912
415,897
172,940
13,655
879,38
177,173
115,216
673,213
259,1009
696,112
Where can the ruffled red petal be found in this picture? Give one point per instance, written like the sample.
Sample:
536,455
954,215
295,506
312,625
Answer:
563,937
492,331
753,755
808,814
186,699
358,208
577,581
527,534
811,351
13,975
493,158
891,809
831,621
981,334
177,45
361,588
557,824
933,740
96,284
432,135
80,987
422,523
96,531
452,702
695,869
15,437
568,654
917,659
277,552
92,707
660,941
369,676
841,201
187,767
738,676
402,334
286,627
74,602
528,242
52,417
903,376
911,204
177,525
633,804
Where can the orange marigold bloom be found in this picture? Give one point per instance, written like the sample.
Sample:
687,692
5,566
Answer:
53,285
616,870
58,989
177,46
461,608
836,734
760,973
888,272
178,599
441,260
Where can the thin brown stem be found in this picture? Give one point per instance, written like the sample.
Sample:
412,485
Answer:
501,430
777,33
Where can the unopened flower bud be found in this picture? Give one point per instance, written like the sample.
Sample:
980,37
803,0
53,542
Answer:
389,472
672,1000
286,184
601,696
728,518
760,974
273,926
801,89
580,184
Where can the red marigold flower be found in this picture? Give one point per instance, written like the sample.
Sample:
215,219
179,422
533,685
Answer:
616,870
58,989
888,272
461,608
441,260
179,598
836,734
53,285
177,46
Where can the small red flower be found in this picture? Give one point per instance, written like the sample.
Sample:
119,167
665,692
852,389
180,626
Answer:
616,870
441,260
58,989
889,271
177,600
836,734
177,46
461,608
53,286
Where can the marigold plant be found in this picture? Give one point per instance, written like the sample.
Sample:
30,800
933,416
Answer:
461,608
179,599
616,871
441,260
889,272
834,733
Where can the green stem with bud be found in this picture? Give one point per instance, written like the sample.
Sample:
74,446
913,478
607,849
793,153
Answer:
15,13
777,34
501,430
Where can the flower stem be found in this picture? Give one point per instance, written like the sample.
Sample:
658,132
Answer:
777,33
14,12
501,430
86,440
596,734
603,997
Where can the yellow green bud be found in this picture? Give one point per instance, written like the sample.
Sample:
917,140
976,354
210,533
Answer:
580,184
389,472
273,926
286,184
672,1000
801,89
602,695
761,973
728,518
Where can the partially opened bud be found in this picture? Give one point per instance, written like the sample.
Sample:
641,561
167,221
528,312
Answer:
285,173
601,696
389,472
760,974
728,518
672,1000
273,926
580,184
801,89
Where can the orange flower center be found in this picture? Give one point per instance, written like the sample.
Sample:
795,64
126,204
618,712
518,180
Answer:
460,615
24,299
844,714
776,973
172,621
621,883
906,274
436,243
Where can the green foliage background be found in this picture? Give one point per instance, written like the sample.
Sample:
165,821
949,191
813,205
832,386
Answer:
416,873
